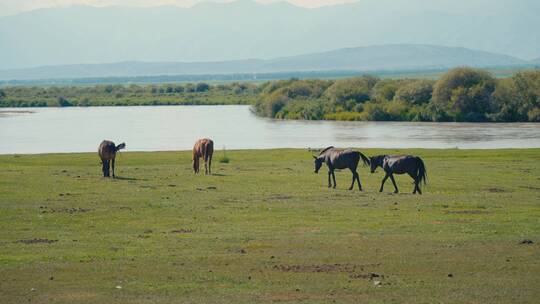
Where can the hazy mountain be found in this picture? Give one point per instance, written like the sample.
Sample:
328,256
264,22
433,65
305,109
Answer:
373,58
244,29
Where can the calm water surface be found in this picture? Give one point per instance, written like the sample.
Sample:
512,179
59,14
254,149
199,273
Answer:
159,128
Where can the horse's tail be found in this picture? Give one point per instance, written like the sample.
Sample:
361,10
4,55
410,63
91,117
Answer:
422,173
120,147
208,150
365,159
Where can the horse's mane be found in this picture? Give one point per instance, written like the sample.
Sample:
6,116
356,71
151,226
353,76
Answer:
326,149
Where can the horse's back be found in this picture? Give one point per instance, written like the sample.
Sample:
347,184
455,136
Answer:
203,146
400,164
342,159
106,149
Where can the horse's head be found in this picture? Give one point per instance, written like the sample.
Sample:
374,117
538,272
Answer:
376,161
318,163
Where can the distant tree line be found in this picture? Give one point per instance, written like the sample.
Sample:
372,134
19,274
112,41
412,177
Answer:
128,95
461,94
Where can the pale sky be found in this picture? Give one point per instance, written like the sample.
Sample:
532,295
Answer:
8,7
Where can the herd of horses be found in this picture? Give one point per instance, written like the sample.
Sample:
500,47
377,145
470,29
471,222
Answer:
333,158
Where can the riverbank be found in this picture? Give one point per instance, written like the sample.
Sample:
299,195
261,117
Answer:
265,228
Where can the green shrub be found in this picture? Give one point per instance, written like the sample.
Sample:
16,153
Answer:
224,159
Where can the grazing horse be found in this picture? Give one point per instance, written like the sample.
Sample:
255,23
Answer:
203,148
340,159
400,164
107,152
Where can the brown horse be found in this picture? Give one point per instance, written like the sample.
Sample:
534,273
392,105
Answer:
107,152
400,164
203,148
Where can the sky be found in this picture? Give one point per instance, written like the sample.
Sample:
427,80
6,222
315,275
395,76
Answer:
10,7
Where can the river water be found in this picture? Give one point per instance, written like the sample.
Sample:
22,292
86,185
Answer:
162,128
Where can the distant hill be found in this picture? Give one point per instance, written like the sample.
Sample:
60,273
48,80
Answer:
362,59
246,29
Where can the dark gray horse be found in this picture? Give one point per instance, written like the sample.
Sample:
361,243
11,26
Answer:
400,164
107,152
340,159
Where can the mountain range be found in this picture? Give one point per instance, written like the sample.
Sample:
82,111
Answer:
246,29
399,57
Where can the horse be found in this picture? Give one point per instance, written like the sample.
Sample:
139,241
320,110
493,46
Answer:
107,152
203,148
340,159
400,164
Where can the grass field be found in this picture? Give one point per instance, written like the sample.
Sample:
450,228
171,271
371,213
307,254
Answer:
265,228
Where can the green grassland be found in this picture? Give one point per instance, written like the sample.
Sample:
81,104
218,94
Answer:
265,228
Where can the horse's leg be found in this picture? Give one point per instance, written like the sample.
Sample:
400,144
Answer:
383,181
210,165
103,168
196,165
394,182
415,178
329,180
353,178
359,183
112,164
206,166
107,168
334,178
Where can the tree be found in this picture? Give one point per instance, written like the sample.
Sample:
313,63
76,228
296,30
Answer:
527,86
505,102
465,93
108,89
273,103
346,93
202,87
416,92
62,102
385,90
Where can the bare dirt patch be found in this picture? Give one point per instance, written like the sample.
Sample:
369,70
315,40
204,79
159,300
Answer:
183,230
353,271
36,241
75,210
279,197
467,212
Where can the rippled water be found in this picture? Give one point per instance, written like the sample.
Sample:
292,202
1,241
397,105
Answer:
158,128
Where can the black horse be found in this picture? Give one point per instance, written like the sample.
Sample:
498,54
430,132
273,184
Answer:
400,164
340,159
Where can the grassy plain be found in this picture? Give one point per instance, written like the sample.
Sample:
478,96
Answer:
265,228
